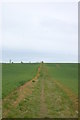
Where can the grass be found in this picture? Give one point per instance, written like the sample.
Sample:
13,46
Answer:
58,103
66,73
15,75
0,81
29,107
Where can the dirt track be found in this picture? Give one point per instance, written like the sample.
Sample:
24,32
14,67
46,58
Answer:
43,108
55,99
22,92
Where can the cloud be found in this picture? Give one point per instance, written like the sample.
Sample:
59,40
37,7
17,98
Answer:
43,28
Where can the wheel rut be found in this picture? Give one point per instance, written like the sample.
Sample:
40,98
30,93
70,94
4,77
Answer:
53,97
43,108
21,92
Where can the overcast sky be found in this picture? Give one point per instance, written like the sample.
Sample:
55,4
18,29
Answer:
40,31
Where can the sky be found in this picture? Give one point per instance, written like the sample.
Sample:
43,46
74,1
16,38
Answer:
45,31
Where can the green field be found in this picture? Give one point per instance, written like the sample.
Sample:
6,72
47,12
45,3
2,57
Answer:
42,98
66,73
15,75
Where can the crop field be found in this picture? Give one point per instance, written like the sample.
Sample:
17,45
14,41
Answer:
67,74
45,90
15,75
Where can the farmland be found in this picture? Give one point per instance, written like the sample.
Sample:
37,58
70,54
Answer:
15,75
67,74
40,90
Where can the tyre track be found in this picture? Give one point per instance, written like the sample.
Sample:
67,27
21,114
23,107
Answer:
22,92
43,108
70,94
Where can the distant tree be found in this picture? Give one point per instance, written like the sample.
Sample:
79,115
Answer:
42,62
10,61
21,62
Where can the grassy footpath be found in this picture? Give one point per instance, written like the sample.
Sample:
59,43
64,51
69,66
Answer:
47,100
15,75
28,107
66,73
59,105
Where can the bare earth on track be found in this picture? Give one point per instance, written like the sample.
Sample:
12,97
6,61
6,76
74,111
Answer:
43,109
48,98
21,93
